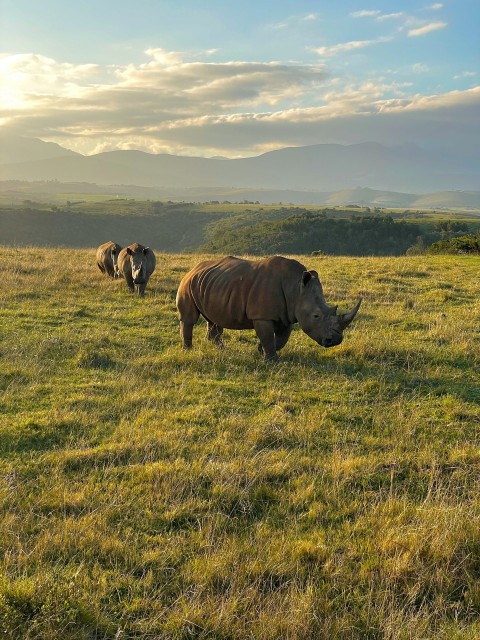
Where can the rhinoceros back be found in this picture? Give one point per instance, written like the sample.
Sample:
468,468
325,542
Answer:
232,292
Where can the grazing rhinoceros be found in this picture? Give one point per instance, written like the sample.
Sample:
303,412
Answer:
136,263
107,258
267,295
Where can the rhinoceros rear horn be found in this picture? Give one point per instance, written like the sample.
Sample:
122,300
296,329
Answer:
346,318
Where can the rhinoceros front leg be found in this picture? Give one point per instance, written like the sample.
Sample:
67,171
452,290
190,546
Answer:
214,333
129,281
266,334
282,334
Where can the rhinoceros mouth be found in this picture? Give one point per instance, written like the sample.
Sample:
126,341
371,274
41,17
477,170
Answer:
330,342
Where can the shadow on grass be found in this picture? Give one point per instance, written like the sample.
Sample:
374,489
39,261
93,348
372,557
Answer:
36,436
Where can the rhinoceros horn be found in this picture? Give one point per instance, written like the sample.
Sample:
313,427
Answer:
346,318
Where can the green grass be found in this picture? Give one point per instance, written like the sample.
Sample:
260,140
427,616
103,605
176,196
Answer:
147,492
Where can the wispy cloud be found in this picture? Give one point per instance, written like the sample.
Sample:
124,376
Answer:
465,74
378,15
390,16
436,6
419,67
294,21
427,28
352,45
365,13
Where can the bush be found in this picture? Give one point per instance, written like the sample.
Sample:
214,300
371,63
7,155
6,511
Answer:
468,244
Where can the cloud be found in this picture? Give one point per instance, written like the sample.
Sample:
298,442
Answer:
365,13
378,15
465,74
470,97
348,46
295,21
179,104
390,16
420,67
435,6
427,28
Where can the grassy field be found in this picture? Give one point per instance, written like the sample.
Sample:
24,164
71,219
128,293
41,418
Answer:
152,493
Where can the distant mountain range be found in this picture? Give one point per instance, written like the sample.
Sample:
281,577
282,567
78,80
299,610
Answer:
363,174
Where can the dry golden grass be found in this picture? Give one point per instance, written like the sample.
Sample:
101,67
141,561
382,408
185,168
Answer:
151,493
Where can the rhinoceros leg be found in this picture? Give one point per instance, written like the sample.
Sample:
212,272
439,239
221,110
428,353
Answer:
282,334
214,333
266,334
186,334
129,281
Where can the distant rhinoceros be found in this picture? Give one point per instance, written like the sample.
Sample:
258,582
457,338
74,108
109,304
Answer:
107,258
267,295
136,264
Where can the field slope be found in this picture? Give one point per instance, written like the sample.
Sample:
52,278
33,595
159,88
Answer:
146,492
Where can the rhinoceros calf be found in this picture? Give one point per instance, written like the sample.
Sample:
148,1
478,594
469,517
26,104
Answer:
107,258
267,295
136,263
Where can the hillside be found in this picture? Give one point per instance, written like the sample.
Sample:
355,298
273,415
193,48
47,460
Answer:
17,191
226,227
322,167
148,492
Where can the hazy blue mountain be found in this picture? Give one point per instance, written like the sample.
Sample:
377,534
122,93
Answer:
17,149
316,168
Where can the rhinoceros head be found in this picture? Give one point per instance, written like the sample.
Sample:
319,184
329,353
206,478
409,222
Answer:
316,318
138,261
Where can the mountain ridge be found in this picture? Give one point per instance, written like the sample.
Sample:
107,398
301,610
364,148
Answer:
312,168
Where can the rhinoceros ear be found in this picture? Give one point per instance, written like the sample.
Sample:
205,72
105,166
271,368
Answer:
346,318
306,277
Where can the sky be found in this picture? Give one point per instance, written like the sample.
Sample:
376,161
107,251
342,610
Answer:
235,79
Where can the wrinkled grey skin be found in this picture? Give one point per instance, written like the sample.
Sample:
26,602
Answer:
107,258
136,263
267,295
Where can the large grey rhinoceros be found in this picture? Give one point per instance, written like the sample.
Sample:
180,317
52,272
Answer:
267,295
107,258
136,263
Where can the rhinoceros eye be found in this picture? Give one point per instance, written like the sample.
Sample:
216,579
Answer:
316,316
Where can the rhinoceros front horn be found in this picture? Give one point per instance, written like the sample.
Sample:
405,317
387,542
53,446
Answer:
346,318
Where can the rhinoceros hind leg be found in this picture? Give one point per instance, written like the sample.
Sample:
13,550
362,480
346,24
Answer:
189,315
214,333
186,334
